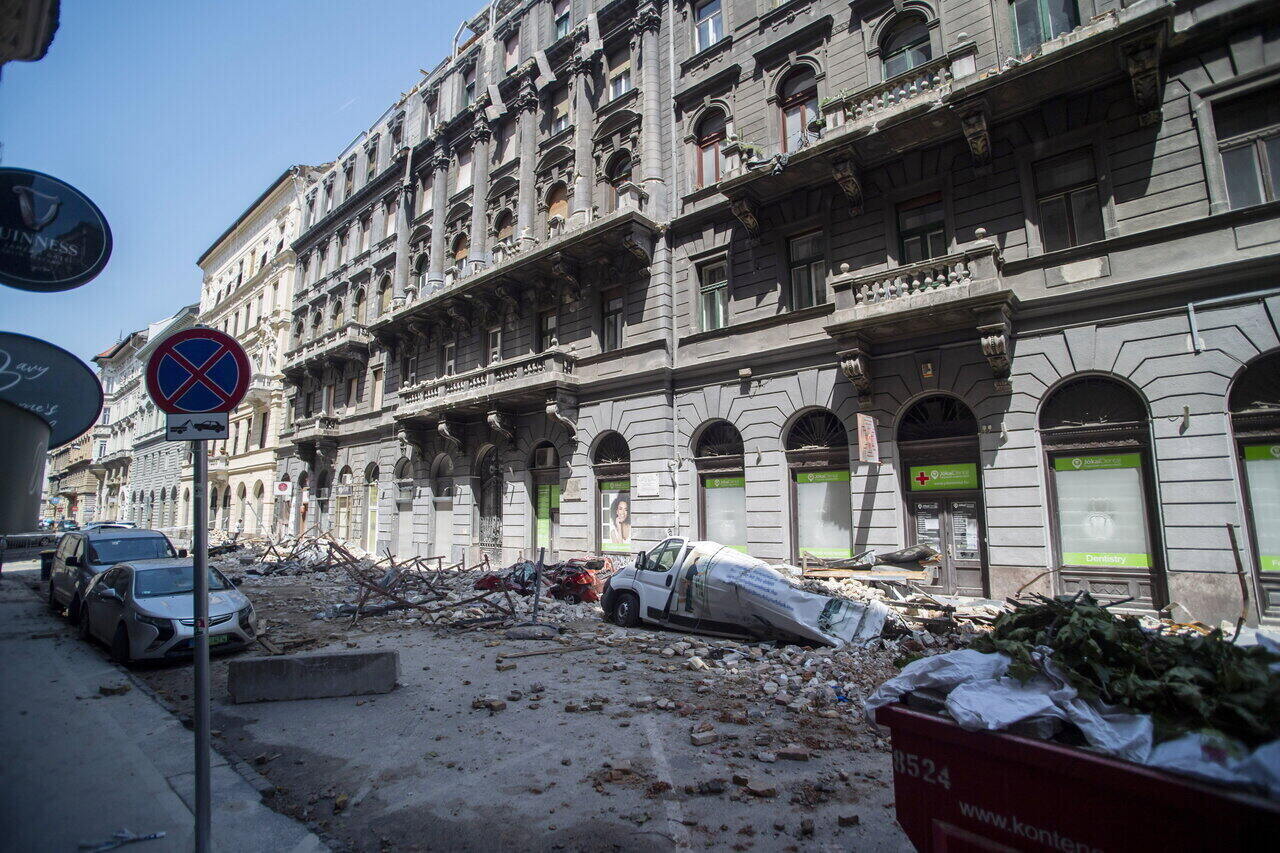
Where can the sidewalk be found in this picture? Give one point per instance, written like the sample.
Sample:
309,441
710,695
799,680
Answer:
80,766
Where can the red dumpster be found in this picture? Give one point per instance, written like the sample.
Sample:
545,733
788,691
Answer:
959,791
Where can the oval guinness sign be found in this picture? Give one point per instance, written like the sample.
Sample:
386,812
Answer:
52,237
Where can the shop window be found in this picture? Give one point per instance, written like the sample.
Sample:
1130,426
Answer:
710,136
718,457
906,47
798,100
614,305
922,232
1035,22
817,449
1248,130
713,294
708,24
1098,441
611,464
1255,420
545,469
1067,198
807,268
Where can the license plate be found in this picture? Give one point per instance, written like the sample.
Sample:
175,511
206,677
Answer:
217,639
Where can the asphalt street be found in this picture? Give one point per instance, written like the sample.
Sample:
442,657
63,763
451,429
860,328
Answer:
81,764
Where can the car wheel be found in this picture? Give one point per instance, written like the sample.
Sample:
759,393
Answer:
83,631
571,598
120,646
626,612
73,610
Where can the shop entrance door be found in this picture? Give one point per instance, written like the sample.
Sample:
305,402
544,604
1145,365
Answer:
952,526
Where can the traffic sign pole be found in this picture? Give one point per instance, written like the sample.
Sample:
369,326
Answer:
200,589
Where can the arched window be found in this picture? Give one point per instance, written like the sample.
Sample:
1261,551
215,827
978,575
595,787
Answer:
619,176
384,297
420,273
258,524
461,248
489,503
1255,420
817,450
709,137
1097,436
611,463
937,440
504,228
544,465
342,504
298,329
722,493
558,203
358,312
371,509
335,314
905,46
798,99
316,320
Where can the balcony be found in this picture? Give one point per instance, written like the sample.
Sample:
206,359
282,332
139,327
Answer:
954,291
348,342
261,388
525,381
315,429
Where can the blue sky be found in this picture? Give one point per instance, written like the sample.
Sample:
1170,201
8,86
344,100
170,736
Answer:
174,115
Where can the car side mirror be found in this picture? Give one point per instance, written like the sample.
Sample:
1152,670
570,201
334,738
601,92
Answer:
73,562
642,560
182,552
108,592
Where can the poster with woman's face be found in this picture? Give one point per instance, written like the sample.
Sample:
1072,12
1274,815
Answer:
615,516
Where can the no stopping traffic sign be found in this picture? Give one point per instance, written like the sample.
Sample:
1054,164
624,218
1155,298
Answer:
196,371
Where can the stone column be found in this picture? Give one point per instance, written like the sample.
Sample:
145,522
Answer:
404,198
527,106
582,69
439,198
647,23
481,133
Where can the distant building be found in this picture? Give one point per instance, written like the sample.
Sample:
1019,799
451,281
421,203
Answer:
72,493
123,408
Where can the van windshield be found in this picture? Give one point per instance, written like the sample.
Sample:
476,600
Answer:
108,551
172,580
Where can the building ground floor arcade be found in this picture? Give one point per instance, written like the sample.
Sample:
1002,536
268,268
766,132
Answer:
1122,457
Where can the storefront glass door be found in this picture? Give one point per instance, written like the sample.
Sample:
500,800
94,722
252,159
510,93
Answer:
952,527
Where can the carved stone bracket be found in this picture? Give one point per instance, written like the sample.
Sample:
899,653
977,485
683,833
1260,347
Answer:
446,431
566,270
411,443
507,297
1140,57
500,423
560,411
974,122
638,249
847,176
307,453
454,311
856,367
647,19
996,331
745,210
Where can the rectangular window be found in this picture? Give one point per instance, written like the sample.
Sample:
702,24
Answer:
614,305
724,510
504,141
619,74
348,180
1035,22
511,53
560,14
709,24
263,423
102,449
546,331
391,220
547,515
309,404
353,390
375,393
468,88
1067,198
615,516
365,227
823,513
464,169
449,359
713,298
1248,130
408,370
371,163
560,110
328,197
493,345
1101,511
327,398
808,270
1262,473
922,232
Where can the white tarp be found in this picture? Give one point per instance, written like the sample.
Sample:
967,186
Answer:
720,584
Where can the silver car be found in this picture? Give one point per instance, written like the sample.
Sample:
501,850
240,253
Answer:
143,610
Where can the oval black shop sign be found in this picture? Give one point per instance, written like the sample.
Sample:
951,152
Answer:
52,237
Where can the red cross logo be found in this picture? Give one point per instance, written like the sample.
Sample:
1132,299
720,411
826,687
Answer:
921,478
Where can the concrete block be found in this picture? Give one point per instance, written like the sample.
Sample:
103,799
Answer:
312,676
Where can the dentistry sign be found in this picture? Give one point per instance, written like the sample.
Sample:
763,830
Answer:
52,237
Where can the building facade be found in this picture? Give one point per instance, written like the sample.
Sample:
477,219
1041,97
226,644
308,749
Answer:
616,271
247,293
72,493
123,407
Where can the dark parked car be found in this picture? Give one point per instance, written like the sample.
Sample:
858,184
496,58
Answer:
80,556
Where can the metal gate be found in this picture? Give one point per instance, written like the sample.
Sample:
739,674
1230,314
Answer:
490,532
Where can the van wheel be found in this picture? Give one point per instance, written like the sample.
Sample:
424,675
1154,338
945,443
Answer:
73,611
626,612
120,646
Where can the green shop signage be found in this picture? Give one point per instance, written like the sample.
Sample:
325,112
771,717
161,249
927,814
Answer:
960,475
822,476
1097,463
724,482
1262,452
1111,560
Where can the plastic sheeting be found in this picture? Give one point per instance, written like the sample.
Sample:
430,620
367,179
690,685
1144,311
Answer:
720,584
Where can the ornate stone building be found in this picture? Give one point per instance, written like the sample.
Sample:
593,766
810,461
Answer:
247,293
71,482
616,271
123,408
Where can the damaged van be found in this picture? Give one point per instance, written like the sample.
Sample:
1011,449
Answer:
708,588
